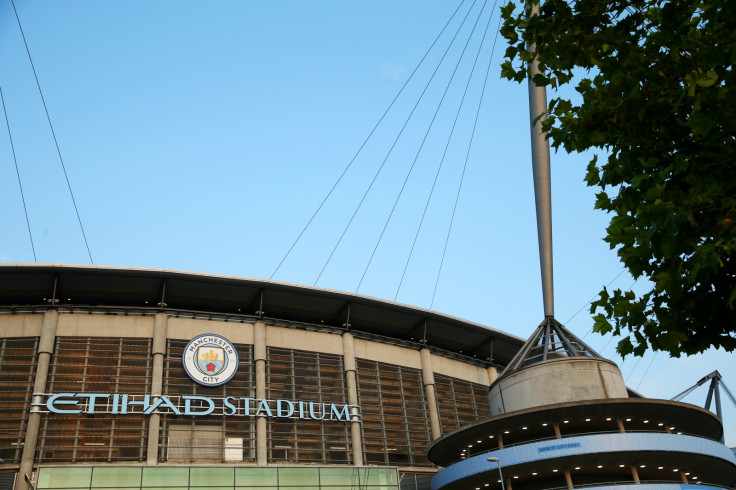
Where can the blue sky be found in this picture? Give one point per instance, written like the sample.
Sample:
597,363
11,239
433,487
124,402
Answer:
203,135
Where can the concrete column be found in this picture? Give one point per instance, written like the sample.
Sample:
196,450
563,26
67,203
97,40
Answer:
348,354
259,352
45,351
158,351
430,390
492,374
568,478
558,434
683,476
620,426
635,474
500,441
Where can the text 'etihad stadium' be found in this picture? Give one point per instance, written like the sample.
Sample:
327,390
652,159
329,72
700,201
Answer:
123,403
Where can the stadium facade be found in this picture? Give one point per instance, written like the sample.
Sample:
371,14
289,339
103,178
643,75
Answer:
143,378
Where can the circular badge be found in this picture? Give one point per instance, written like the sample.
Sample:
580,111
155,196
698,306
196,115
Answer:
210,360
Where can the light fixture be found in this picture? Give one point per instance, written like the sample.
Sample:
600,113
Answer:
628,420
672,428
544,424
478,442
534,473
643,466
660,467
608,419
620,466
566,421
516,477
493,459
587,420
660,424
523,428
490,437
470,445
600,466
505,432
675,470
646,421
687,474
695,478
577,467
554,471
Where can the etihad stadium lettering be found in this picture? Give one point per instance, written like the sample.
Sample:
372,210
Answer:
123,403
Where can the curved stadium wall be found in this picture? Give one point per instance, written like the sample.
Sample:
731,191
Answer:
313,403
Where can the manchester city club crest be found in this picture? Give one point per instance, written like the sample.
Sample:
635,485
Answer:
210,360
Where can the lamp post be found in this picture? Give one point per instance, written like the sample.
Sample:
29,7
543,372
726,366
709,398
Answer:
493,459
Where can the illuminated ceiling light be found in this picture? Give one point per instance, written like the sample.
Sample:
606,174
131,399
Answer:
646,421
643,466
600,466
587,420
535,473
660,467
478,442
695,478
487,485
554,471
675,470
523,428
620,466
470,445
628,420
660,424
544,424
516,477
672,428
679,432
608,419
687,474
505,432
490,437
577,467
566,421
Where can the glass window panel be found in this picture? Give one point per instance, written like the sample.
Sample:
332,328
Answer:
378,476
300,477
165,477
116,477
64,477
256,477
340,476
211,477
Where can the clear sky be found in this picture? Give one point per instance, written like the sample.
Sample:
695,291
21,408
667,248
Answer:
202,136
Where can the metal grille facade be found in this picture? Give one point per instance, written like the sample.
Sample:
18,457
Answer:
395,420
309,377
17,372
460,402
96,365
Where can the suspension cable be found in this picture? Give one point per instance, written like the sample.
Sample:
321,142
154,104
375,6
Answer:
53,133
421,146
339,179
444,153
394,144
20,185
465,166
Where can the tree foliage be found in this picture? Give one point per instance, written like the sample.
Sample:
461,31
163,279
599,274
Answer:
657,100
